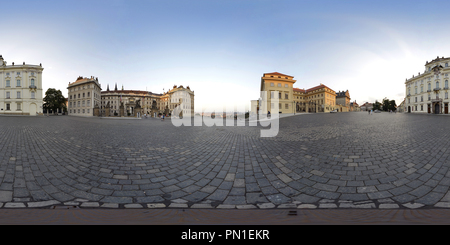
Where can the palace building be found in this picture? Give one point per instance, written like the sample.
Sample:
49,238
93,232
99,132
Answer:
428,92
149,103
84,96
20,89
291,100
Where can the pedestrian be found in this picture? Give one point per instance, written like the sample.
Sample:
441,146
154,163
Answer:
368,111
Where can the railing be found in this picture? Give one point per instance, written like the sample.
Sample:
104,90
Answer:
436,89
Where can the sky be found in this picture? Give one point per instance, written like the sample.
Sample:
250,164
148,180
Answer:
220,49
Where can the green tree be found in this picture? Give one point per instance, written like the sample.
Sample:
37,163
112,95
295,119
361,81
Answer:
386,105
54,100
376,105
392,105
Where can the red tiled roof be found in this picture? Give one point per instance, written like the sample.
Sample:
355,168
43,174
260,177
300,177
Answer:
318,87
299,90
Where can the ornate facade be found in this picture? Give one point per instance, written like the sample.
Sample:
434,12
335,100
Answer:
428,92
20,89
149,103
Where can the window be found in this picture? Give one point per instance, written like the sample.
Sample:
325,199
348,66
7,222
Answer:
32,82
286,86
272,94
8,83
279,95
32,73
88,103
18,94
83,95
286,96
8,107
446,95
271,84
7,73
88,110
421,107
279,105
89,94
279,85
429,86
70,97
437,84
286,106
446,83
33,95
78,96
18,106
18,73
7,95
18,83
421,89
446,64
421,98
416,90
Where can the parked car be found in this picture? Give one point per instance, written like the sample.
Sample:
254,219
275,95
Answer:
334,111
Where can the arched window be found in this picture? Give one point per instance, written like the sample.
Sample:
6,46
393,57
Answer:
437,84
429,86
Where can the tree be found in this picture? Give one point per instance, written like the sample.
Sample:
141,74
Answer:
392,105
54,100
386,105
376,105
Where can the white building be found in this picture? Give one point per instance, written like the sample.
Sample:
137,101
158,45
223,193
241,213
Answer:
428,92
84,96
20,89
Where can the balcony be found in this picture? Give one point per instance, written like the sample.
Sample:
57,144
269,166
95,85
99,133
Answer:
436,89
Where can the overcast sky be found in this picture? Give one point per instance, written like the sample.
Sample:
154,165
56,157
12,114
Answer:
221,48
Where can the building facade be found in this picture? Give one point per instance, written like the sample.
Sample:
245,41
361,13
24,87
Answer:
151,104
291,100
279,86
428,92
84,96
20,89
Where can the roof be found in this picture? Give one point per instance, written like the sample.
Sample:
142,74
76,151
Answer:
277,74
299,90
82,80
318,87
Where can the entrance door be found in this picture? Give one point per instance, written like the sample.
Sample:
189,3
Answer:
409,109
429,108
446,109
436,108
33,109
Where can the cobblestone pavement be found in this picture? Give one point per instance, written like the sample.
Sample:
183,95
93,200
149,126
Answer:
323,161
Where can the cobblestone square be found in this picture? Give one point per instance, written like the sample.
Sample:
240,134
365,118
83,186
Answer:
328,160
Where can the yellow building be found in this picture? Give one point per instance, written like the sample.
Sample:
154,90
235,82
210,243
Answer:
316,99
291,100
279,86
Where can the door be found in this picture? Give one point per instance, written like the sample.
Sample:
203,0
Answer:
446,109
436,108
33,109
429,108
409,109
